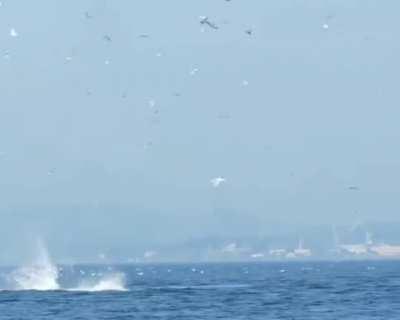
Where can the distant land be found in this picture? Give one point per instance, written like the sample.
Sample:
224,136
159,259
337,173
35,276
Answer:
360,241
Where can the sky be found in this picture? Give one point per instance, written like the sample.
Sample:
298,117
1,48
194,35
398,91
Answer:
115,116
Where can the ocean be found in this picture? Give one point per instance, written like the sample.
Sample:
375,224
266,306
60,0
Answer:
275,290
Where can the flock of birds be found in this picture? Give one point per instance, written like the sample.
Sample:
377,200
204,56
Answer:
215,182
205,21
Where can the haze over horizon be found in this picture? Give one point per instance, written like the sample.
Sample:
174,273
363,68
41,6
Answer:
113,124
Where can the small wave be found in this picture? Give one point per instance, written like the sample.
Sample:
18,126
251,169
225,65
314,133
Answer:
111,282
207,287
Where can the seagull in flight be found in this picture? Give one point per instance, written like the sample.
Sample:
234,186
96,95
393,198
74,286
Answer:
88,15
249,32
216,182
194,71
205,20
107,38
13,33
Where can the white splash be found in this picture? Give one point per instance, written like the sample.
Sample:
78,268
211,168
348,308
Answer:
41,274
110,282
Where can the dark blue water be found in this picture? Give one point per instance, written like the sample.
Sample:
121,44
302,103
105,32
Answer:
340,290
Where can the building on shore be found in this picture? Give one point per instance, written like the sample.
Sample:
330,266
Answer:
299,252
369,249
278,253
386,250
302,252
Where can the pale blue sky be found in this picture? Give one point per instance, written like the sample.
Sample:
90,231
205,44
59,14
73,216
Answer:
87,162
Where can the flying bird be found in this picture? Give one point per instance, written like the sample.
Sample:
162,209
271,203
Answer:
13,33
106,37
216,182
194,71
205,20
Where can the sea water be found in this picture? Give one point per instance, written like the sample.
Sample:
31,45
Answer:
291,290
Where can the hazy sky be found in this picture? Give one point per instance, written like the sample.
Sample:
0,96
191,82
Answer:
110,139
